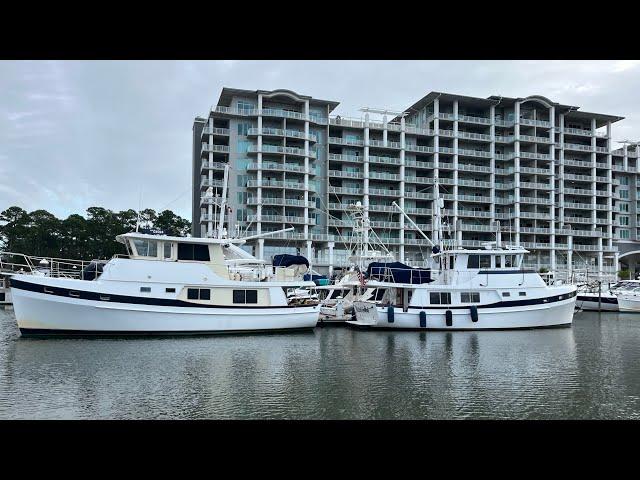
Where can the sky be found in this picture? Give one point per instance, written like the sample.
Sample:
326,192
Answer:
118,134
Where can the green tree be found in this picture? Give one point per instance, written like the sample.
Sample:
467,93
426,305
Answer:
172,224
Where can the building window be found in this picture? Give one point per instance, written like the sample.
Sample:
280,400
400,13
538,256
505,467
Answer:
242,180
470,297
245,296
192,251
623,233
242,105
243,146
624,207
623,220
243,128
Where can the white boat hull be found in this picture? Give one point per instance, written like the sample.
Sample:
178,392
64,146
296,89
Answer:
629,303
41,314
554,314
590,303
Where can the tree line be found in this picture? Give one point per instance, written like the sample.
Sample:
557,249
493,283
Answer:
41,233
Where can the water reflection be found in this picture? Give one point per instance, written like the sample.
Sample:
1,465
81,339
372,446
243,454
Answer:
589,371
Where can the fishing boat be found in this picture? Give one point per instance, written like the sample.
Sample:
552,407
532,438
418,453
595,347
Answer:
365,247
474,289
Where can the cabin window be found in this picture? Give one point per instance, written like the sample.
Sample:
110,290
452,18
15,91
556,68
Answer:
470,297
193,251
198,293
498,260
474,261
506,294
485,261
508,261
145,289
170,290
192,293
523,294
440,298
245,296
146,248
167,250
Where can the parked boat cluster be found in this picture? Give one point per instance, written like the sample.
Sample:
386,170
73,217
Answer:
177,285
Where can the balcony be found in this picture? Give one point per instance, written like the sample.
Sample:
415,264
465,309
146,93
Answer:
578,147
214,148
474,198
345,174
276,184
384,192
576,131
505,139
535,155
529,138
346,190
474,136
382,144
206,183
384,160
419,164
289,202
346,122
281,219
418,195
344,141
474,153
473,213
215,131
347,158
281,150
578,163
535,123
277,132
473,183
207,165
473,119
419,148
473,168
384,176
281,167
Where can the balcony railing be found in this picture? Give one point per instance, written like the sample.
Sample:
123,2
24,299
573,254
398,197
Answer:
281,150
278,132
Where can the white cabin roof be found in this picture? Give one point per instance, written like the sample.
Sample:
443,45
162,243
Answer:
203,241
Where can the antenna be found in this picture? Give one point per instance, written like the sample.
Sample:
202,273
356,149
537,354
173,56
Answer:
139,210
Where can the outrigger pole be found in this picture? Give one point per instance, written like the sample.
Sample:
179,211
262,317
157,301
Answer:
413,223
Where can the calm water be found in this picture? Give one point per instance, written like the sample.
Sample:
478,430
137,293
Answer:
591,370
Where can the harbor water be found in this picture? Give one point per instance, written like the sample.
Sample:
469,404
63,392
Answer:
588,371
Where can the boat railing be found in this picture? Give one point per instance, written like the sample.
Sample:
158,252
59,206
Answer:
13,262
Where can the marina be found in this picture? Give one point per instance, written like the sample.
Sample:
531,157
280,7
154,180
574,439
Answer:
590,370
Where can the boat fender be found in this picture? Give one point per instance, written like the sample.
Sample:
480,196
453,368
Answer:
449,316
390,314
423,319
474,313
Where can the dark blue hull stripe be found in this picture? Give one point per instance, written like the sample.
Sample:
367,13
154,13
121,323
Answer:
100,297
585,298
43,332
513,303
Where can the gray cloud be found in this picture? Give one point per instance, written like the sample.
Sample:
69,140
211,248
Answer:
74,134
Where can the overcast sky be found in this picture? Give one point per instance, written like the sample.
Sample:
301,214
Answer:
76,134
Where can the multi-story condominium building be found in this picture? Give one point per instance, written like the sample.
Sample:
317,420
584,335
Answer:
542,172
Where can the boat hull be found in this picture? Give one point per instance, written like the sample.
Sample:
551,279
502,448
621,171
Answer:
629,303
41,314
590,303
542,315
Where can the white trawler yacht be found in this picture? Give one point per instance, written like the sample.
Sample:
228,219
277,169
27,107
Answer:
168,285
474,290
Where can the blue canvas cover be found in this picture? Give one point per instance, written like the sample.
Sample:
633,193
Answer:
398,272
285,260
